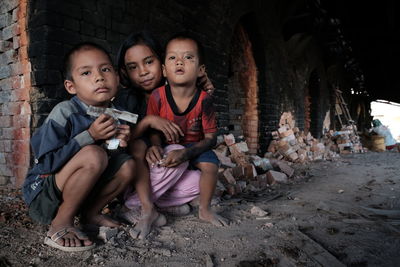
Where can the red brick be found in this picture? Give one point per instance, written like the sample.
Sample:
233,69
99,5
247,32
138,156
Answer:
15,14
238,172
11,108
2,158
10,31
23,40
26,82
274,177
5,146
19,95
250,171
16,42
20,174
5,121
227,177
285,168
21,121
16,134
22,146
5,45
16,81
5,170
17,158
6,84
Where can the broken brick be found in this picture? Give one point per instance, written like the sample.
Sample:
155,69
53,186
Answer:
229,139
228,177
274,177
285,168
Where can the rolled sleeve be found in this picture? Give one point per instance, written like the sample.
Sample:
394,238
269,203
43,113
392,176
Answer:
84,138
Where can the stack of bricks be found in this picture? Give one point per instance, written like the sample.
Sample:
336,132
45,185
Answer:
15,84
346,140
240,171
291,144
294,145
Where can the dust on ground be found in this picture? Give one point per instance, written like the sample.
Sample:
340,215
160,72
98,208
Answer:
333,213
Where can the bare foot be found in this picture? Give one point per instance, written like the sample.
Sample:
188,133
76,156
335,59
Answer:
68,236
213,218
101,220
132,216
146,220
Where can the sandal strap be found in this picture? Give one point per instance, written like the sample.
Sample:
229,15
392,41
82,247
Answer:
62,232
59,234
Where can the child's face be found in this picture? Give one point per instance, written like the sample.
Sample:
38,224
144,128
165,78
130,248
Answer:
181,65
94,79
143,67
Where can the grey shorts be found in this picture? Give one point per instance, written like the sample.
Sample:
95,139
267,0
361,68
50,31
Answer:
44,207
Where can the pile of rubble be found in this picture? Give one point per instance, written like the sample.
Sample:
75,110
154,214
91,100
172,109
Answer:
346,140
293,145
240,172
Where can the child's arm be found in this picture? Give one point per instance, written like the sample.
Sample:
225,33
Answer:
176,157
205,84
170,129
53,146
155,151
209,126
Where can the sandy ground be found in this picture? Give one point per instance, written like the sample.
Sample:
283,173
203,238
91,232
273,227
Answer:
340,213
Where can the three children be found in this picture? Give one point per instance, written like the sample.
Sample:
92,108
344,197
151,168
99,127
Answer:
73,173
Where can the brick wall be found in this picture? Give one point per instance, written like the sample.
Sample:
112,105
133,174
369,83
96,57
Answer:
277,76
15,84
243,90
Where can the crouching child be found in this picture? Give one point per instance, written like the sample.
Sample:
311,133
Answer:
73,173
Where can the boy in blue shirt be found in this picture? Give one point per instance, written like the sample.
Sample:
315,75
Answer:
73,173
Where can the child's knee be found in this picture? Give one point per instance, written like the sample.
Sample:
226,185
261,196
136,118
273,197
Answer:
127,171
97,157
208,168
138,149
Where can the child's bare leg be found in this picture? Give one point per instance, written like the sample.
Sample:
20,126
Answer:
121,180
75,180
143,189
208,181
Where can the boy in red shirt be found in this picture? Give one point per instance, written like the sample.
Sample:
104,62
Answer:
192,109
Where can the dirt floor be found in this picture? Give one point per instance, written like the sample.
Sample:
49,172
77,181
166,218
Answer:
333,213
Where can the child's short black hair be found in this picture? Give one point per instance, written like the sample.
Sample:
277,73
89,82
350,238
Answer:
67,64
187,36
138,38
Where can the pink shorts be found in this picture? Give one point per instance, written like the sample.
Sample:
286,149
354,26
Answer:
170,186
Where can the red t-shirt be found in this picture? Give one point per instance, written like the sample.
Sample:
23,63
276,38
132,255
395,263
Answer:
197,120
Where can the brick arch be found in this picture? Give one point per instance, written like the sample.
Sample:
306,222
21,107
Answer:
243,89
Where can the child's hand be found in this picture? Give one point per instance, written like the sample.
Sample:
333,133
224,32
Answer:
102,128
171,130
205,84
154,155
174,158
123,134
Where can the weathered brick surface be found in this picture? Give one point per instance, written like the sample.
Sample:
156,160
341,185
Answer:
15,111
